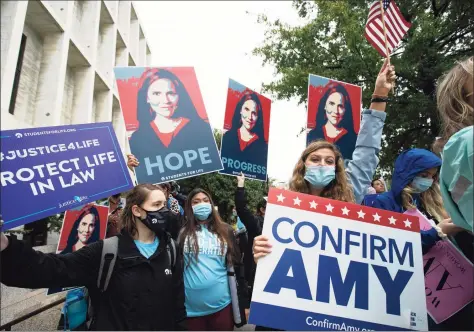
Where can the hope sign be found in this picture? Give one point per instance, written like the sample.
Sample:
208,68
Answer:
337,265
174,161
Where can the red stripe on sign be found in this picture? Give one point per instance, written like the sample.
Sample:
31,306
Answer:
345,210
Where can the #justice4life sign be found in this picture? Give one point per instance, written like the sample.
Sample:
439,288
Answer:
48,170
338,266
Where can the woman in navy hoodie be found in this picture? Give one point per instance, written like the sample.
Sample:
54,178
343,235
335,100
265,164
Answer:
413,186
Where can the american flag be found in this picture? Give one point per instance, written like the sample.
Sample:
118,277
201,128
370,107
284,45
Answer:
395,25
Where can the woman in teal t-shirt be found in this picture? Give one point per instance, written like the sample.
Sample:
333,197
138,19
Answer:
209,247
455,99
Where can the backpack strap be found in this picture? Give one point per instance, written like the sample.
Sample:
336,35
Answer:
107,262
171,250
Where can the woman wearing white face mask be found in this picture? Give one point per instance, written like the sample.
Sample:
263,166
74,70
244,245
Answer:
321,171
210,249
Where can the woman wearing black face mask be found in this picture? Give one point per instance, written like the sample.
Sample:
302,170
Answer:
146,290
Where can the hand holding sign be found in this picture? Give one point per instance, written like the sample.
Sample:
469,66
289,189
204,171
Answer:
448,228
241,180
132,162
261,247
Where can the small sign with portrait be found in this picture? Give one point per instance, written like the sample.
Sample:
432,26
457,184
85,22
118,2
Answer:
81,226
244,147
334,112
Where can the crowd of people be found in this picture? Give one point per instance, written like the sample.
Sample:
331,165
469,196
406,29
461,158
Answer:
206,282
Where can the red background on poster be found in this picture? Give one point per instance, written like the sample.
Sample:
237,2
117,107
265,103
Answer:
233,97
70,217
128,90
316,93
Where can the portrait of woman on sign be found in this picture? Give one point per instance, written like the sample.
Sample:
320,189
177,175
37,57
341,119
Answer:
81,227
167,120
85,230
332,115
245,144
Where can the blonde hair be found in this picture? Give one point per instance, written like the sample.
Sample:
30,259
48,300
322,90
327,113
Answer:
431,201
339,189
454,110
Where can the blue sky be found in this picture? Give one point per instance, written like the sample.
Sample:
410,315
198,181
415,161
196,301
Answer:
236,86
318,80
127,72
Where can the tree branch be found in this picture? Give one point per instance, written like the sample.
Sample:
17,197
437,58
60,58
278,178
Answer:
435,10
458,29
406,133
369,73
453,38
443,8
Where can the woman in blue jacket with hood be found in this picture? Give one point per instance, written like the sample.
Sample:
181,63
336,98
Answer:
413,186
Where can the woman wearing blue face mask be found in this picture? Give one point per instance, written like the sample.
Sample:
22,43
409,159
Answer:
415,186
210,251
321,170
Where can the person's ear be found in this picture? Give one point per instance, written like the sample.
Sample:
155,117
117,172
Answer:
136,211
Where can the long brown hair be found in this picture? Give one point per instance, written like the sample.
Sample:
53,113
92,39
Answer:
431,200
454,109
339,189
137,196
215,225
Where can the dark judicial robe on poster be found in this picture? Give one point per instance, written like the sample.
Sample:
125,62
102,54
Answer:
345,142
255,153
193,135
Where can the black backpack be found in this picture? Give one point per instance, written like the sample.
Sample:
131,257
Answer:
107,264
109,256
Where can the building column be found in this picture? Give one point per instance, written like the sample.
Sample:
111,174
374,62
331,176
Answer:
50,94
13,14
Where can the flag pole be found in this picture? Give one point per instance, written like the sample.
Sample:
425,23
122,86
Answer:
385,39
385,32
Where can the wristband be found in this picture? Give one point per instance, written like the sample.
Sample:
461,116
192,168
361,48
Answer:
376,99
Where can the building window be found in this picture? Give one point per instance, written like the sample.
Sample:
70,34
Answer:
16,81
